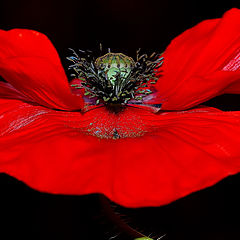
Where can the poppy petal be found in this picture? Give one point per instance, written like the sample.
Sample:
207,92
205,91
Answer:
176,153
201,63
8,91
30,63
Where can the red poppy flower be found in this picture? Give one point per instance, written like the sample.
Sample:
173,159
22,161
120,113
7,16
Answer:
51,145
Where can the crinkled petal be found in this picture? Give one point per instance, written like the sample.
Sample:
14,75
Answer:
171,154
30,63
201,63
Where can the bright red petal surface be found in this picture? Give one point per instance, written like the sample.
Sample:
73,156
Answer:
30,63
174,154
201,63
8,91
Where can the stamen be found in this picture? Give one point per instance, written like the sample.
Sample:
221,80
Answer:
115,78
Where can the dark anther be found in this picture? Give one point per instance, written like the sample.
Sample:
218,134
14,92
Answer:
110,85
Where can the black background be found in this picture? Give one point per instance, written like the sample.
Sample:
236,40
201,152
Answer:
123,26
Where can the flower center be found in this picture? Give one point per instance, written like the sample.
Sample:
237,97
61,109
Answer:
115,78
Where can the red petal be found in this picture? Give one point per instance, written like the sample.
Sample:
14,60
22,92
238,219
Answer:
201,63
30,63
8,91
178,152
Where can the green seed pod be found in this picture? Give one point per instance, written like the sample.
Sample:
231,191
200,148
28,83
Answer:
113,64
